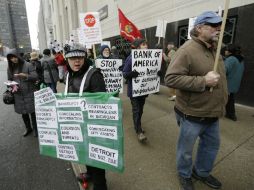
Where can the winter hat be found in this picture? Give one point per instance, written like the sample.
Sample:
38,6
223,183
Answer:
137,42
34,55
103,47
75,50
208,17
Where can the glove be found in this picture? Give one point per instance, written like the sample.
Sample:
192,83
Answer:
121,68
159,73
133,74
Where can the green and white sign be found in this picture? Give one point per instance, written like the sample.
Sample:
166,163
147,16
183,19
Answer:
84,129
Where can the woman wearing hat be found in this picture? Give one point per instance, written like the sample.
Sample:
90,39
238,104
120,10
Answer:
34,60
78,67
25,75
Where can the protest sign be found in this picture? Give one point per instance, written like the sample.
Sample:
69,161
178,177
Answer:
147,62
86,130
113,77
91,27
191,25
161,28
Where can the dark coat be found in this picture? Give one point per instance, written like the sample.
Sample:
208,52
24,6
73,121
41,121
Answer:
24,97
95,84
53,66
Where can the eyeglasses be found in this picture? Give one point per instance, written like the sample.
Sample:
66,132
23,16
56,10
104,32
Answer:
214,25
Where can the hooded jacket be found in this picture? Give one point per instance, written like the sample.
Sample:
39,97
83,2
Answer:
24,97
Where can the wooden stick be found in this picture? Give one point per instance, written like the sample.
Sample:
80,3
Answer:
221,37
94,52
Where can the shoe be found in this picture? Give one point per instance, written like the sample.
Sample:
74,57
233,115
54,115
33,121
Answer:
142,137
232,117
210,180
172,98
84,177
186,183
27,132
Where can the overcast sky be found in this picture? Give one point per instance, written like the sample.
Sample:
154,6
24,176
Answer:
32,9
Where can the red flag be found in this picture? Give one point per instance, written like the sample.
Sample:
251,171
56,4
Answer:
127,29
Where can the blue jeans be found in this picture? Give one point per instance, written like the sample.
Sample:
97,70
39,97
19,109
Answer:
209,142
137,111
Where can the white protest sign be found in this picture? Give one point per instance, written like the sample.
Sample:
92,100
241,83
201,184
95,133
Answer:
46,116
103,111
66,152
90,25
191,25
161,28
44,96
48,137
103,154
147,62
113,77
102,131
70,116
71,132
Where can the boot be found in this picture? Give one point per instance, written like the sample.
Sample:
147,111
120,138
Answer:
28,128
34,123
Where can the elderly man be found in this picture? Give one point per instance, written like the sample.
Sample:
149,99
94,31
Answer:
197,109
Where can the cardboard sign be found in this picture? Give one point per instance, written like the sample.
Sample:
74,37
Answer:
161,28
191,25
91,27
147,62
44,96
86,130
113,77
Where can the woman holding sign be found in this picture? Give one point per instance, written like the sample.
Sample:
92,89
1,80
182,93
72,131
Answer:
79,70
136,102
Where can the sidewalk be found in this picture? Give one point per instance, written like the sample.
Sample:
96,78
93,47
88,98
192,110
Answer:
153,166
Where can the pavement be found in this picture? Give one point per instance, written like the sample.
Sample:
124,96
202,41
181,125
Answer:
150,166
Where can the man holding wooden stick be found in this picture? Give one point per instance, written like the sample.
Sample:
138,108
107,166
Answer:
197,109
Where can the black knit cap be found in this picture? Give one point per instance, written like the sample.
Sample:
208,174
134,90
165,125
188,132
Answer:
137,42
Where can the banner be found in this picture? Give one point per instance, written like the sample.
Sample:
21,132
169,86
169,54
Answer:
147,62
91,27
86,130
113,77
127,29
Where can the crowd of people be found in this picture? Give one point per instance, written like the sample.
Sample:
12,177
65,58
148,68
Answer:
187,71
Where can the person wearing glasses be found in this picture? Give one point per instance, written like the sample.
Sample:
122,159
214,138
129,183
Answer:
197,108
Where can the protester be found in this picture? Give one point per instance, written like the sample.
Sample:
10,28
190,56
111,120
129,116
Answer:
90,56
50,70
234,65
105,53
59,59
78,66
34,60
114,52
25,75
197,109
170,53
136,102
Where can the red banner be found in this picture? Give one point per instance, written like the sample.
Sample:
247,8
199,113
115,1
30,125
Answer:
127,29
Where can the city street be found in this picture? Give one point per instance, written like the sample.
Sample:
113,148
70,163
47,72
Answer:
150,166
21,165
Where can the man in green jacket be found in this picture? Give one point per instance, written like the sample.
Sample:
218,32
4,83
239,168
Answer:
197,109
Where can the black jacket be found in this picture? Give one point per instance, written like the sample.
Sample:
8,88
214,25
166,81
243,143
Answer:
94,83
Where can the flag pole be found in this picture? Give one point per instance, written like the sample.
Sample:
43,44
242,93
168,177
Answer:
216,62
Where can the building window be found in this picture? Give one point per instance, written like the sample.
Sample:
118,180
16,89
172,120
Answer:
229,32
182,35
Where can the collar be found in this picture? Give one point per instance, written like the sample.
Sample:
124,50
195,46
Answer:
203,43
